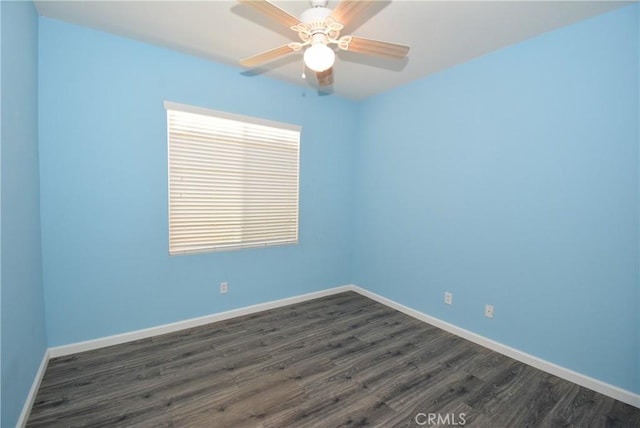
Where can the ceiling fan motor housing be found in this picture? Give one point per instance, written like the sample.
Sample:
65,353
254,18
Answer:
319,3
317,26
313,14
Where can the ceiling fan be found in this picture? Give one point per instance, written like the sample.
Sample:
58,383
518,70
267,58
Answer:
318,28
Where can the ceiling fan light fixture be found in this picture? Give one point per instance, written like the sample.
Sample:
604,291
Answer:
319,57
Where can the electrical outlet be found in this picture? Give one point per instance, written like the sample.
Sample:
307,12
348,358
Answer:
488,311
224,287
448,298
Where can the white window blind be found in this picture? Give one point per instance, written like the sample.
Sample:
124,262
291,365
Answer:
233,181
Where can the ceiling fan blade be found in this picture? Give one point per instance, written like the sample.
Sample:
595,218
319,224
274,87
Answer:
274,12
325,78
346,10
265,56
376,47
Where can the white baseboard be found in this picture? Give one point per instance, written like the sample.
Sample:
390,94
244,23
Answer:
31,397
554,369
88,345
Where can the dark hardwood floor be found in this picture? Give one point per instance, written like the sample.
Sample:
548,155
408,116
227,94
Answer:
338,361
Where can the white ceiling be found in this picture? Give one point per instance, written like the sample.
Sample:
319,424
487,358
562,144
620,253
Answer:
441,33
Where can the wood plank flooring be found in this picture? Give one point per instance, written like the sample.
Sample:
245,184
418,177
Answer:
338,361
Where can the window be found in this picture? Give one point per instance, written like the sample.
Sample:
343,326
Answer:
233,181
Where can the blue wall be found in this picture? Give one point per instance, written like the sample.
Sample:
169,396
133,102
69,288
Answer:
103,150
513,180
23,331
